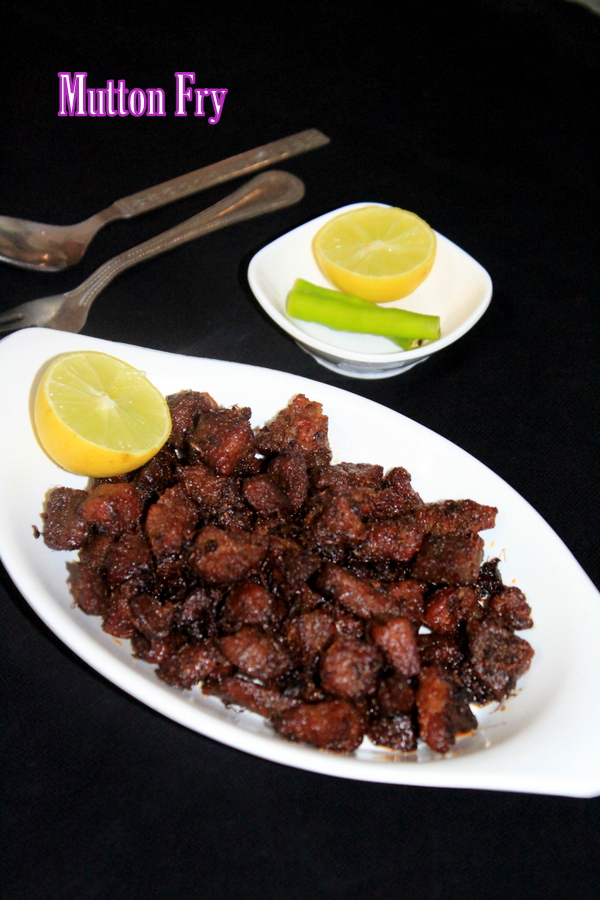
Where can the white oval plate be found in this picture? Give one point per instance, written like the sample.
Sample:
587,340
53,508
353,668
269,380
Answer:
458,290
545,739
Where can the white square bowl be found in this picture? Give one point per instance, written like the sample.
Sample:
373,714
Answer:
458,290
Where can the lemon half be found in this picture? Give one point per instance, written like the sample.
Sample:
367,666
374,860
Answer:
98,416
379,253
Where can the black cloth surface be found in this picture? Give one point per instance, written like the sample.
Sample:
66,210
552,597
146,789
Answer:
480,117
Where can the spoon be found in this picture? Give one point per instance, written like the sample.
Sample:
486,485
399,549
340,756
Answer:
69,311
50,248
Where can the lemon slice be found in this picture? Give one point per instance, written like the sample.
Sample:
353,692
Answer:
98,416
379,253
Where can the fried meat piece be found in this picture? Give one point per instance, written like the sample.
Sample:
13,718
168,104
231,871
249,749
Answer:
448,608
152,618
192,663
355,595
289,471
392,539
186,408
498,657
256,654
440,650
511,609
265,496
309,634
336,523
349,668
442,711
112,508
329,725
89,589
64,526
237,691
344,474
249,603
408,594
449,559
458,517
397,641
158,474
223,557
300,426
290,566
395,695
129,559
171,521
222,438
204,487
394,732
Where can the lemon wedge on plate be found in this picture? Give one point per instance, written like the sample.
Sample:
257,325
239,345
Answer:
98,416
378,253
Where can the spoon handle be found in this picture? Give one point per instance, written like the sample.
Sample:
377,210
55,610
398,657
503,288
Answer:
264,193
226,169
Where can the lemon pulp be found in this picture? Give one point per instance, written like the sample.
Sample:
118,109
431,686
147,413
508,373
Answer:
98,416
378,253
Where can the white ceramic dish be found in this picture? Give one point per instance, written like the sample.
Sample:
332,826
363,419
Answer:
457,289
546,739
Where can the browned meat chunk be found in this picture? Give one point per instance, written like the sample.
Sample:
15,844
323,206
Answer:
442,712
204,487
129,559
64,526
498,657
458,516
309,634
186,408
336,523
449,607
394,539
349,668
158,474
330,725
265,496
289,471
112,508
222,438
452,559
396,639
192,663
408,594
291,566
94,553
223,557
355,595
236,691
440,650
119,621
249,603
152,618
344,474
399,480
395,695
300,426
89,590
511,609
394,732
256,654
171,521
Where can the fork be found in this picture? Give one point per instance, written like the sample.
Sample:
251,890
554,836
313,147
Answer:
69,311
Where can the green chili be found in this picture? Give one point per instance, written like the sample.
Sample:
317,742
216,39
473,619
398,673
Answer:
343,312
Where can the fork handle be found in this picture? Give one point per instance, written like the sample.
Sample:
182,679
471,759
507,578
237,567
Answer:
264,193
241,164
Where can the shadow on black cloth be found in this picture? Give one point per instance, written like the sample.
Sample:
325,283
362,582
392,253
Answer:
477,115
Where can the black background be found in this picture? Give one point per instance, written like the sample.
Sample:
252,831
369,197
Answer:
479,116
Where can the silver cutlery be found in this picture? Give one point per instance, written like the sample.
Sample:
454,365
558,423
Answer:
50,248
68,312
